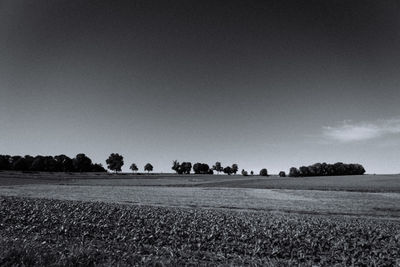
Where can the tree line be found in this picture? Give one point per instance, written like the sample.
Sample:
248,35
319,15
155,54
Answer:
325,169
82,163
59,163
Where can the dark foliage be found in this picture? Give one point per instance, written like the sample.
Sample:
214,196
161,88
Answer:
235,168
64,163
324,169
218,167
244,173
294,172
201,168
59,163
82,163
228,170
134,167
98,168
264,172
5,162
282,174
183,168
115,162
148,167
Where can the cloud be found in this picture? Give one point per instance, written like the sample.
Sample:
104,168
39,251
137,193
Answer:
349,131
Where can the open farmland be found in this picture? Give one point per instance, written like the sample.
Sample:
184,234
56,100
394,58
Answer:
362,183
102,219
52,232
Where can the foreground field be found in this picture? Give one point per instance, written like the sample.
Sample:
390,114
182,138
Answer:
53,232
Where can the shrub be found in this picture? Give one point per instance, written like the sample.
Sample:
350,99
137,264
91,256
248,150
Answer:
282,174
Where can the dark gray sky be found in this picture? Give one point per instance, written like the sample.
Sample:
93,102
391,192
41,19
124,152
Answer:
268,84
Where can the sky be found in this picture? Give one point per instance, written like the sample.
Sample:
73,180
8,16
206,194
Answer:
264,84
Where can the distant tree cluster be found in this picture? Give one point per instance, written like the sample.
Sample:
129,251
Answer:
324,169
183,168
59,163
202,168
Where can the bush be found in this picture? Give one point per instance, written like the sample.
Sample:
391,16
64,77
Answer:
282,174
264,172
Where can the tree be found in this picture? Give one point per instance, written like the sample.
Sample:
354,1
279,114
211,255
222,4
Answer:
175,166
217,167
64,163
185,167
325,169
244,173
20,164
228,170
133,167
282,174
115,161
294,172
82,163
5,162
201,168
38,164
264,172
304,171
252,173
148,167
235,168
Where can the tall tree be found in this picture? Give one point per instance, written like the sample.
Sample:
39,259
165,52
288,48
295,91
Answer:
133,167
115,162
175,166
148,167
82,163
235,168
228,170
217,167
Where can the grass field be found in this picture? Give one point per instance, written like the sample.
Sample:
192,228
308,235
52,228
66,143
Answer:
363,183
101,219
